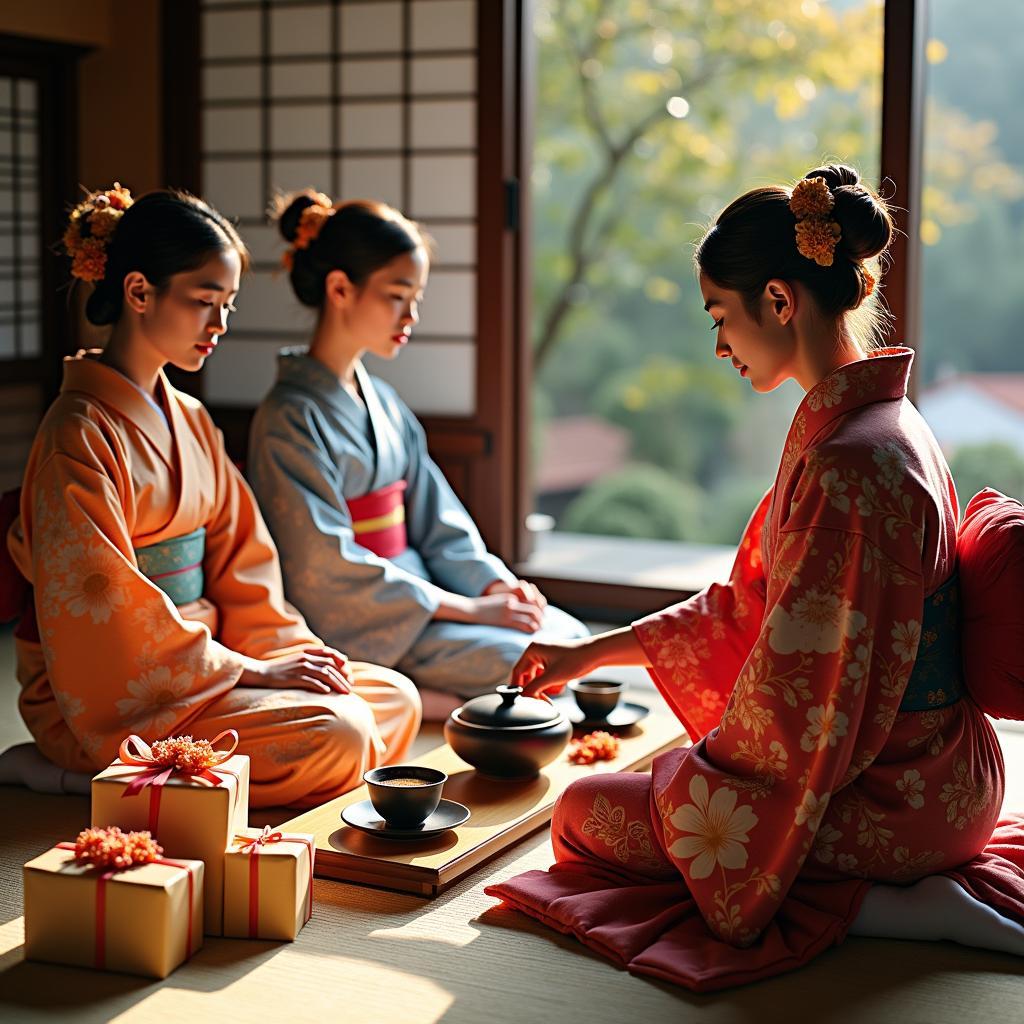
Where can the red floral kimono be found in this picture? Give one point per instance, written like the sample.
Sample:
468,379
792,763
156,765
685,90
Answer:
815,770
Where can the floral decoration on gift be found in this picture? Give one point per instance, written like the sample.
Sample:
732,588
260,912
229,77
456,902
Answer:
595,746
90,227
193,759
112,848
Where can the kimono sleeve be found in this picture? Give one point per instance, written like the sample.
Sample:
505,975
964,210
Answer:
119,657
813,705
440,528
243,573
697,648
359,602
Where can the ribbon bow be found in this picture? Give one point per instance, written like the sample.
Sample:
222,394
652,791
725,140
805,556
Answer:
250,845
136,751
253,846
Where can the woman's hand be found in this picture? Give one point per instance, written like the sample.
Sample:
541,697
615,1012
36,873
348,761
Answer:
505,610
546,668
523,590
320,669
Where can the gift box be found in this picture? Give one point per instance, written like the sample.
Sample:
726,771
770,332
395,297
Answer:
191,795
268,884
143,919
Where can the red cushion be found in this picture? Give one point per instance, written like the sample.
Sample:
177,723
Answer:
14,588
990,551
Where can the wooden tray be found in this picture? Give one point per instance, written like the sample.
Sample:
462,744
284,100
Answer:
503,813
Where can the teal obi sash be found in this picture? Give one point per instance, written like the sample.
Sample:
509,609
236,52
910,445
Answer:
938,676
176,565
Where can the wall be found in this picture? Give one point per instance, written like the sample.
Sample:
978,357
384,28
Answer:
119,81
360,100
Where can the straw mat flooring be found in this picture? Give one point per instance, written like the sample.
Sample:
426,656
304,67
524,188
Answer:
375,956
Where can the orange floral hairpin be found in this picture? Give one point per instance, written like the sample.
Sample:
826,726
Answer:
869,281
90,228
817,234
311,222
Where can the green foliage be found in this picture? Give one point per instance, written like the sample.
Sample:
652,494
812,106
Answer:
639,501
997,465
678,414
622,189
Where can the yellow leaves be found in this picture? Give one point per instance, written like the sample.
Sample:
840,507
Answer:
634,398
936,51
999,177
661,289
645,83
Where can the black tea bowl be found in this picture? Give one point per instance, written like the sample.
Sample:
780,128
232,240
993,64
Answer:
597,698
405,795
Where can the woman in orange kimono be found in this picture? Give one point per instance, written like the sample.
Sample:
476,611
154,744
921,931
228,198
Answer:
158,600
834,745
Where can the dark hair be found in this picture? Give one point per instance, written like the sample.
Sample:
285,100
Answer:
360,237
164,232
754,240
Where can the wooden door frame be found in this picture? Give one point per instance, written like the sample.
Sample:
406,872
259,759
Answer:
55,67
484,455
494,442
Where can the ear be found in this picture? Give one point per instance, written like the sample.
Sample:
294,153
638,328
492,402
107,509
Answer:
338,289
137,291
780,297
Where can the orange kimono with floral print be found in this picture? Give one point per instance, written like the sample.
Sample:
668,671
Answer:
109,474
806,779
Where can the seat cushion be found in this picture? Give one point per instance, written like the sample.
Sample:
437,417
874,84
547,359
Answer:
990,552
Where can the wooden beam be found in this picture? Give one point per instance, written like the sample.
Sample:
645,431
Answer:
903,86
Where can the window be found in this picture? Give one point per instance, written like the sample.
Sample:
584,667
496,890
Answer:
650,118
971,376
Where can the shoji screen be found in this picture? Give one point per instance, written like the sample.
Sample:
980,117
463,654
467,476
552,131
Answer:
360,99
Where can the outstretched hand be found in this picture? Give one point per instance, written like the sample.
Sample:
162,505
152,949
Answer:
546,668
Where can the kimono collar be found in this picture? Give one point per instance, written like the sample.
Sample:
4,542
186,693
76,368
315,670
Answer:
86,374
297,369
882,377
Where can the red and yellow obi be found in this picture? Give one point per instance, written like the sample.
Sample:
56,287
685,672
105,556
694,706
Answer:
378,520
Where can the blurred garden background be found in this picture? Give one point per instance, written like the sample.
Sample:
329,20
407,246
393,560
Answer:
650,117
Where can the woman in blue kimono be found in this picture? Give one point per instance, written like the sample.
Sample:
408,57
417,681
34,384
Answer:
377,551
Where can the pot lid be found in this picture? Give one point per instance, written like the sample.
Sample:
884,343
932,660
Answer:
506,708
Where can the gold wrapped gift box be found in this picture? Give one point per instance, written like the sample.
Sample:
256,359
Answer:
190,819
145,919
268,884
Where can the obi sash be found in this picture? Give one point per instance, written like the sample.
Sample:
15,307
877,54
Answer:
176,565
937,679
378,520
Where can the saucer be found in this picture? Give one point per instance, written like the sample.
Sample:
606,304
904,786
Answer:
363,817
625,714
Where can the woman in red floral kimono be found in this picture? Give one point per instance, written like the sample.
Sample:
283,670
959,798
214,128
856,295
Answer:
834,745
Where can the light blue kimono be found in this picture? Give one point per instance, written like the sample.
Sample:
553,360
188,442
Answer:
313,446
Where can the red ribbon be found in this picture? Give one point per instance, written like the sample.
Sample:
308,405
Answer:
101,903
136,751
252,845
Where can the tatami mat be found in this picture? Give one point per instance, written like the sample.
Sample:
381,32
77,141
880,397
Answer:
374,956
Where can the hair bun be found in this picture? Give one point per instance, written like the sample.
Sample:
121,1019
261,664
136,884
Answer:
862,215
289,213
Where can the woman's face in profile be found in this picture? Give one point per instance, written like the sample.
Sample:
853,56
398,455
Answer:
762,352
186,319
387,308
